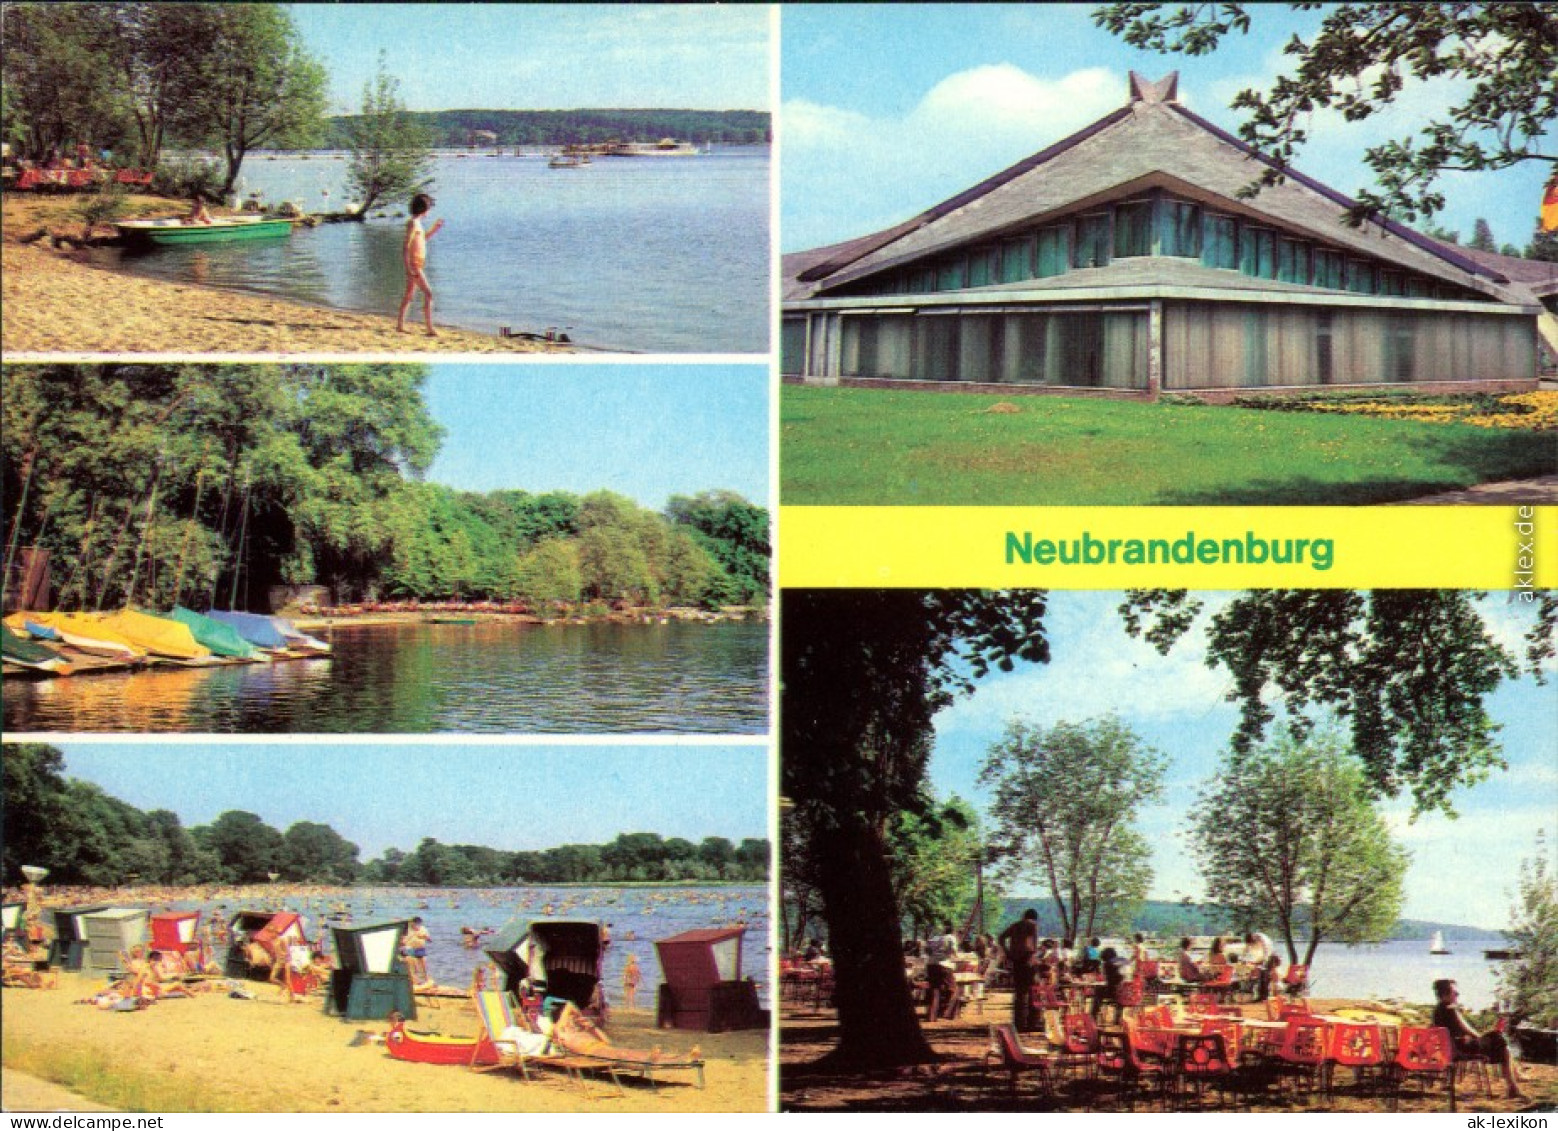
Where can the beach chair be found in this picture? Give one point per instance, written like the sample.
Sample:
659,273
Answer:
1201,1059
497,1014
617,1063
1359,1046
1007,1047
1426,1055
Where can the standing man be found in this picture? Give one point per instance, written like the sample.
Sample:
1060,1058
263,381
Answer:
1021,942
1258,949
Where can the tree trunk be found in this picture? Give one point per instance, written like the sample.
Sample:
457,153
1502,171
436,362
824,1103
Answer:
878,1027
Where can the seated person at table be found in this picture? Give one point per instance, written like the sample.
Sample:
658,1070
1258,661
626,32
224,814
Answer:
1048,964
940,955
1067,955
1139,951
1216,960
1091,957
1189,969
1468,1041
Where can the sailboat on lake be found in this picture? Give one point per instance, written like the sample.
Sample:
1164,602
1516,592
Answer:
1436,944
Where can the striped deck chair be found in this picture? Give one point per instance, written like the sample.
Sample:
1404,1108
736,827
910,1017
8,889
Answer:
497,1014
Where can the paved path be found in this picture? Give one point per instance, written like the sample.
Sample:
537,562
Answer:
1509,493
21,1092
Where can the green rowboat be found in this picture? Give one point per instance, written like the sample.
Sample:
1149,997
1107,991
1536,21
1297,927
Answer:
163,233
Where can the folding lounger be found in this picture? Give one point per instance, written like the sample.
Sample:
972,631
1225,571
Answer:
497,1013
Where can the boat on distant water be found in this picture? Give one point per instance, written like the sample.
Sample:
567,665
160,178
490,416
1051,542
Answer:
1499,954
166,232
1436,945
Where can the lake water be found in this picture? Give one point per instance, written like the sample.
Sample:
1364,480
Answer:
1406,970
654,254
638,916
492,677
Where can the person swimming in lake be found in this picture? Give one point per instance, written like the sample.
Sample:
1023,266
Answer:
414,255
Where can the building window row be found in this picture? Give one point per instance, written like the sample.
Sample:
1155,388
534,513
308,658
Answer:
1158,225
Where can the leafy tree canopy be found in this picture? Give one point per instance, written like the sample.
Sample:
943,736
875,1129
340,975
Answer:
1287,834
1494,63
1409,670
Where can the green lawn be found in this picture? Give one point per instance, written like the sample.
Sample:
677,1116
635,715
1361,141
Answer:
886,447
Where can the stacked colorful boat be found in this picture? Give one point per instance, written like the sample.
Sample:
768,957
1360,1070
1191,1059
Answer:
54,644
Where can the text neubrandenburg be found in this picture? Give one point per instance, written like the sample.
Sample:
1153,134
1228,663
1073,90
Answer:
1317,553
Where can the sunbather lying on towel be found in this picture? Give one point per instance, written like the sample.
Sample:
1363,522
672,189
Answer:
576,1033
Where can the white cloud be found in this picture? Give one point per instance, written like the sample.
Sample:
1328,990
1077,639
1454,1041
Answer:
971,124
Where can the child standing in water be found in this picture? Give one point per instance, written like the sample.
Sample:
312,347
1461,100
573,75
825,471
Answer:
414,253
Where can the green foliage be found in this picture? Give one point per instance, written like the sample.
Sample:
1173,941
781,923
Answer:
549,574
101,207
1482,236
1494,62
631,857
169,483
934,854
247,83
1410,669
315,853
247,848
1528,985
864,673
185,176
391,155
1543,246
457,128
60,77
736,535
1063,806
1286,835
918,449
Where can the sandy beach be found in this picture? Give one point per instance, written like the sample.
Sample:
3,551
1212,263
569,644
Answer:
216,1053
54,302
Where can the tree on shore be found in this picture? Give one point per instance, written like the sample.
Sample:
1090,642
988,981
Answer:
1287,836
60,70
935,855
863,674
1493,63
391,154
250,84
1528,984
1065,798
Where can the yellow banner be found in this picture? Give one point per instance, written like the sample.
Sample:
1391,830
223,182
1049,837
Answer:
1428,547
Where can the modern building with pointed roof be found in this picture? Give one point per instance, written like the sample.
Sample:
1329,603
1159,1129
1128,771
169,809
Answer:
1124,258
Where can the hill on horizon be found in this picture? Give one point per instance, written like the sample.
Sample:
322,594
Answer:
455,128
1162,917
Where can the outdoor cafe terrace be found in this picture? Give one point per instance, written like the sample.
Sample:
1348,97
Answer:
1162,1045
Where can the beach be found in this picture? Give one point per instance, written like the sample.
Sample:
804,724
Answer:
56,302
216,1053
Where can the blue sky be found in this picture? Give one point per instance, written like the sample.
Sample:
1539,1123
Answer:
887,110
1463,871
385,793
644,431
543,56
